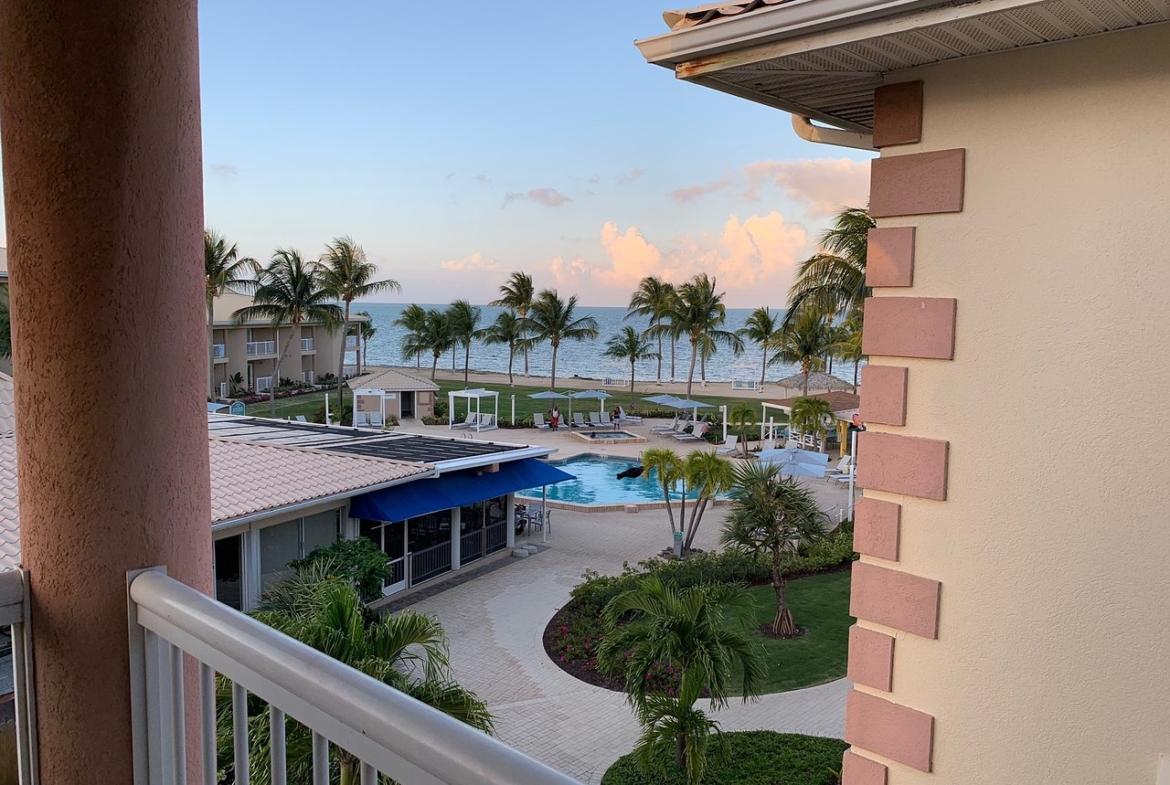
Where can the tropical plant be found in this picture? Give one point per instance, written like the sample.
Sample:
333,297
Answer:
847,345
654,298
762,329
774,516
463,319
554,320
290,292
517,294
631,346
407,651
832,281
805,343
704,634
434,336
413,320
5,326
742,417
508,329
698,312
666,468
346,274
707,476
237,382
366,331
359,562
223,270
811,415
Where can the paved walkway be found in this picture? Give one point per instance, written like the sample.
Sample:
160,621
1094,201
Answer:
495,624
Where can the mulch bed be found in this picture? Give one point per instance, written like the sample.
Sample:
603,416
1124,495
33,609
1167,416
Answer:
766,631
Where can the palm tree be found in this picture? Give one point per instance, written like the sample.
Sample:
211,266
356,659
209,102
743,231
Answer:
704,633
631,346
552,319
762,329
223,269
433,336
413,319
708,475
463,318
743,416
847,347
774,516
698,313
291,291
804,342
367,331
832,281
517,293
407,651
347,274
811,415
654,298
666,467
507,329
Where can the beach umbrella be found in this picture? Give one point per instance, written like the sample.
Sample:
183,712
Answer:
682,403
797,463
816,381
600,395
661,400
553,395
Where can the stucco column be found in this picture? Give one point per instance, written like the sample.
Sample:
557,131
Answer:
510,505
456,535
99,104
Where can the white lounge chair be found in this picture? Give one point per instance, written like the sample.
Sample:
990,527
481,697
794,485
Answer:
606,420
301,418
696,435
629,418
842,467
673,426
579,420
729,445
595,420
470,421
486,422
538,421
844,478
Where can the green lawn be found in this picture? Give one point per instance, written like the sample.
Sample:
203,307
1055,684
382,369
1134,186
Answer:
820,604
298,404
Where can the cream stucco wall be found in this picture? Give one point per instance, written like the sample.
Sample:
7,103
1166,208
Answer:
1052,663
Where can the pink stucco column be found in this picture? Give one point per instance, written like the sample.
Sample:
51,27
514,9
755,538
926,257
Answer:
99,105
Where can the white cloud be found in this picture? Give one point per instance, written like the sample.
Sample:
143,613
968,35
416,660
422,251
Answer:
476,262
224,170
549,197
823,186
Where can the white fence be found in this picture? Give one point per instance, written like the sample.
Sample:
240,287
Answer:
389,732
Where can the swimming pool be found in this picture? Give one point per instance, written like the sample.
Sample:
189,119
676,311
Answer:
597,483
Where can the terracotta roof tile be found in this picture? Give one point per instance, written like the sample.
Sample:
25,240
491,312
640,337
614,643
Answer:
9,505
713,12
7,409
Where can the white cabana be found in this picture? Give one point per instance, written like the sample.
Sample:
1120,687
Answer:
476,419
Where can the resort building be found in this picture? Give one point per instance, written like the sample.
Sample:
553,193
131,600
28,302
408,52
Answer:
388,392
1012,594
251,349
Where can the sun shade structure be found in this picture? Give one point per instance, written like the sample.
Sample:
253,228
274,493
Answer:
481,421
553,395
600,395
797,463
816,381
453,490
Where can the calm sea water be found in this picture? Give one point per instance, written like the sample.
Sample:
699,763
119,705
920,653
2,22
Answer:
582,359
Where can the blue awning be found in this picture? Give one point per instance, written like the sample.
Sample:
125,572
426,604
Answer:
423,497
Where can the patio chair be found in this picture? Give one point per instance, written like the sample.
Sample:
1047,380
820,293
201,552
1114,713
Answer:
629,418
538,421
302,418
595,420
844,478
579,420
606,420
486,422
467,423
729,445
673,426
842,467
696,435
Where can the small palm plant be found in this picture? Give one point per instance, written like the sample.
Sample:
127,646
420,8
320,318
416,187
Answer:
742,417
702,633
666,468
811,415
772,515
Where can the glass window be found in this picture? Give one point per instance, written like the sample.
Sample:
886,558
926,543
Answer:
227,571
497,510
278,546
320,531
471,517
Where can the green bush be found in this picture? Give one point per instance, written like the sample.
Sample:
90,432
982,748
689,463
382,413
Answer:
436,420
359,561
345,415
754,758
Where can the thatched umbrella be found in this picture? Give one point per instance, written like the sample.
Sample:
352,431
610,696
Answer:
816,381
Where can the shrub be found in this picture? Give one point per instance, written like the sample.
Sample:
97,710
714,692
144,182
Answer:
359,561
441,408
327,379
343,415
754,757
436,420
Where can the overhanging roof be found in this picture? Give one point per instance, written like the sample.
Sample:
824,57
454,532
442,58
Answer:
823,59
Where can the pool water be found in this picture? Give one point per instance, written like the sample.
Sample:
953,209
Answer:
608,435
597,483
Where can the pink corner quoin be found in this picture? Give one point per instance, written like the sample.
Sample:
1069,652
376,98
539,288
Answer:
877,528
910,327
883,394
889,729
902,464
895,599
871,658
889,259
859,770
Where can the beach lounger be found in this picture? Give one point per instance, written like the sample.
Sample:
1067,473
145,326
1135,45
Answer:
486,422
842,467
579,420
696,434
606,420
666,428
629,418
595,420
301,418
538,421
470,421
844,478
729,445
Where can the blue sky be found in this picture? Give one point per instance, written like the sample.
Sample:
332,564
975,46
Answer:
460,140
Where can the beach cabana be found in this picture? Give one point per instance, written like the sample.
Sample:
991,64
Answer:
816,381
483,421
843,405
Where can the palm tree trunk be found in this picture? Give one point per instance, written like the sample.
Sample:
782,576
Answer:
783,624
632,379
210,350
553,383
669,508
691,373
466,359
657,323
805,370
764,366
511,357
680,752
341,360
672,345
280,359
696,518
434,364
702,368
345,772
856,363
365,354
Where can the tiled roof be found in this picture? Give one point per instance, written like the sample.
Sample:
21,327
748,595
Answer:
248,478
838,401
391,379
9,505
690,17
7,410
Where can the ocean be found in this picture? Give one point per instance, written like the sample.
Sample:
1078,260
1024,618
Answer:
583,359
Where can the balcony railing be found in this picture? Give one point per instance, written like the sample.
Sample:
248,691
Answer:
470,546
261,348
497,536
263,383
218,351
351,341
389,732
306,344
430,562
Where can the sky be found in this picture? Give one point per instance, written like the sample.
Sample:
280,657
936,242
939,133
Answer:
458,141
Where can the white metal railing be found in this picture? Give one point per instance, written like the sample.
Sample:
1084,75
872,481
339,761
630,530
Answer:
349,370
309,377
261,348
218,351
745,384
388,731
351,341
306,344
14,612
263,383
